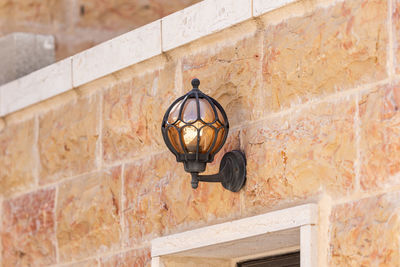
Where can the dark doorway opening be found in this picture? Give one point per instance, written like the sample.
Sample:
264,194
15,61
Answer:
286,260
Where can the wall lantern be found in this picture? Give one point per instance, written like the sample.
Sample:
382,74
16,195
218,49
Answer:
195,128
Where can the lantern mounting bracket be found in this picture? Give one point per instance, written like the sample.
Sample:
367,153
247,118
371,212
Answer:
232,172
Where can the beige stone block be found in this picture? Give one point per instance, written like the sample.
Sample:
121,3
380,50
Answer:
68,135
88,263
330,50
396,35
18,157
139,258
159,199
133,110
380,137
42,12
230,74
88,215
293,157
365,232
28,236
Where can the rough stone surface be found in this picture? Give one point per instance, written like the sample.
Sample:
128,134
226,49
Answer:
67,139
17,157
330,50
133,258
88,215
159,200
89,263
108,185
396,34
366,232
380,137
28,236
132,114
295,156
229,75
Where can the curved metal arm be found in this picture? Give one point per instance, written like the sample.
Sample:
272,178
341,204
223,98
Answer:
232,172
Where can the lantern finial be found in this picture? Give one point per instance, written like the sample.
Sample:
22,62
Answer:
195,83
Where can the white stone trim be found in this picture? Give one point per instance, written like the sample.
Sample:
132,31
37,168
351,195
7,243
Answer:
116,54
202,19
182,27
36,86
294,226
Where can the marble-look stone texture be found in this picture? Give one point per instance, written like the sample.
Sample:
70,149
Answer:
132,113
88,215
87,179
296,156
88,263
28,233
396,34
229,74
330,50
68,137
380,137
18,157
366,232
132,258
159,200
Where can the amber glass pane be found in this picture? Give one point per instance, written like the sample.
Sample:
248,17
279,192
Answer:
206,111
220,138
173,136
174,114
189,134
189,112
207,135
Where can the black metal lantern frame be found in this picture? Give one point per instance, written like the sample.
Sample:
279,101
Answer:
232,171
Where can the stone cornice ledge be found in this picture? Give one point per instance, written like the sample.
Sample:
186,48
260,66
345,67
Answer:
177,29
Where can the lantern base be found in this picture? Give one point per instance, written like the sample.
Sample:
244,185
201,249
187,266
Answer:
232,172
194,166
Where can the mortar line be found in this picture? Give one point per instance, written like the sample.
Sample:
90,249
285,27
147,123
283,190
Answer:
122,207
367,194
390,59
56,224
357,130
290,110
306,105
36,170
108,254
99,148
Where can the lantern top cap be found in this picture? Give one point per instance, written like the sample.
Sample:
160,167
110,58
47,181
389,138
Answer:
195,83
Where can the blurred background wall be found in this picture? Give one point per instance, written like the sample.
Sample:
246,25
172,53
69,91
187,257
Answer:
80,24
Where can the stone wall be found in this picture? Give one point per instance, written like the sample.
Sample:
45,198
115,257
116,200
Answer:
81,24
312,91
